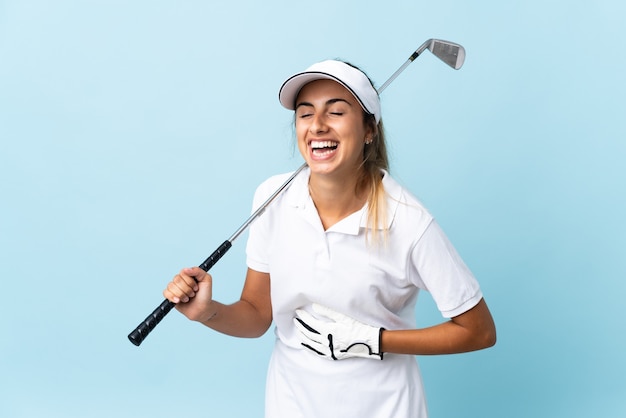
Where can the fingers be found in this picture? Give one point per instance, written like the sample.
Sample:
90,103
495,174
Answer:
309,336
196,273
305,322
184,285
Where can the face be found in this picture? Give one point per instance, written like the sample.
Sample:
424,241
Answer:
330,129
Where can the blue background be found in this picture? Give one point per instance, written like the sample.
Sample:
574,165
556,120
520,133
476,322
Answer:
133,135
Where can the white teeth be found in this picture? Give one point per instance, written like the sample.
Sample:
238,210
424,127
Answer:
322,152
323,144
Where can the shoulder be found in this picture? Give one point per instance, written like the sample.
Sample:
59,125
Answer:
406,211
396,192
273,184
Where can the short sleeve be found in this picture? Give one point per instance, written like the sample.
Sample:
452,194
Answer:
441,271
256,247
260,236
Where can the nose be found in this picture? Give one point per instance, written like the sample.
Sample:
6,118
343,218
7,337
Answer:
318,124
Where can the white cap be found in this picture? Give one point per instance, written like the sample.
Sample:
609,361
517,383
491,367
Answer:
348,76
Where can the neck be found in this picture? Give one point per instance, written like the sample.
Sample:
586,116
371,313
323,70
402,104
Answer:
336,198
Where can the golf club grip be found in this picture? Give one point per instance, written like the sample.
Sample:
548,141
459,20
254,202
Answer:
216,255
141,332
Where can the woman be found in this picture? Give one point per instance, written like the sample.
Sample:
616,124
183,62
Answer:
337,262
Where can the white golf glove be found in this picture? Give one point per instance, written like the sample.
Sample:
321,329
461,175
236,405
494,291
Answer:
336,335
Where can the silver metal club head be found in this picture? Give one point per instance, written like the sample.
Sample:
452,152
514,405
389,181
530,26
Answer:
448,52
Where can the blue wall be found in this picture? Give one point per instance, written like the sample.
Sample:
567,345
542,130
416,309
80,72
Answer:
133,135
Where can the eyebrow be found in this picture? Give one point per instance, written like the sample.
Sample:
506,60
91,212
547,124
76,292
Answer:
328,102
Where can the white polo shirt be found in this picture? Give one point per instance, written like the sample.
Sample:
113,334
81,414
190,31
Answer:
377,284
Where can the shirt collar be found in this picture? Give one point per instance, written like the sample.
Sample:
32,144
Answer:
298,196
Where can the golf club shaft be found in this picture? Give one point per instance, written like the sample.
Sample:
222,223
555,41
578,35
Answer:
414,55
144,328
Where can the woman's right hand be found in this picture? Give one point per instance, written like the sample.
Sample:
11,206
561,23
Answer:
193,298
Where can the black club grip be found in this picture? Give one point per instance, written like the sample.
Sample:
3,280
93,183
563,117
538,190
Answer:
217,254
141,332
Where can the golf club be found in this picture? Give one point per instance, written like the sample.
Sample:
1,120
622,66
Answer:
450,53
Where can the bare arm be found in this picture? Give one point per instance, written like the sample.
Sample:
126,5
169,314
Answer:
472,330
249,317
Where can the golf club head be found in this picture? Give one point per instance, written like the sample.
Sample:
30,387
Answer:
448,52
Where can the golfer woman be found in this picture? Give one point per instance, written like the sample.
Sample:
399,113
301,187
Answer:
337,262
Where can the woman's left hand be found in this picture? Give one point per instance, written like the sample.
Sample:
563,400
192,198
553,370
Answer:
337,336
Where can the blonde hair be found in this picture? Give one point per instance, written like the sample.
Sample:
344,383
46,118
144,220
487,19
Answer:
375,160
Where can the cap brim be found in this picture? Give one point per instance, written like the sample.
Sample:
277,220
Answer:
291,88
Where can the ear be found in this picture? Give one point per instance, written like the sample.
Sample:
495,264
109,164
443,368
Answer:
371,128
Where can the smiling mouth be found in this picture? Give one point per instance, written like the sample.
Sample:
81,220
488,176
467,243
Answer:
323,147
